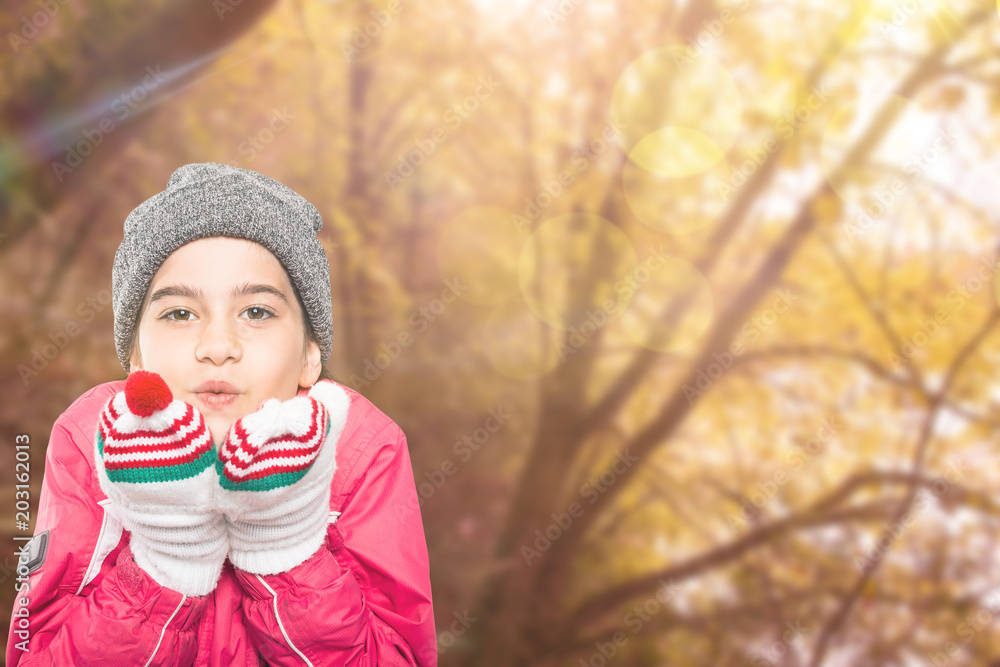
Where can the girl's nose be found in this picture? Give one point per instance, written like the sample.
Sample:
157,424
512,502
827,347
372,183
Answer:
218,343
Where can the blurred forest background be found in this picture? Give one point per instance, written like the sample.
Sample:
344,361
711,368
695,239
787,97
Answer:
715,388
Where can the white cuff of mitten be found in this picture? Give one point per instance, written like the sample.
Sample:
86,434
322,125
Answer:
188,560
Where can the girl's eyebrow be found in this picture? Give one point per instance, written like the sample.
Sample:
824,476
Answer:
246,289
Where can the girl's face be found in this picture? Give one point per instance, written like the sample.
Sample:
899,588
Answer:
222,325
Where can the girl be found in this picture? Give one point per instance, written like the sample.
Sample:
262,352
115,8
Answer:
228,503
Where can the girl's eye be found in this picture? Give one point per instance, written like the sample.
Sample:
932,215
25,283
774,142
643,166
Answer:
258,313
179,314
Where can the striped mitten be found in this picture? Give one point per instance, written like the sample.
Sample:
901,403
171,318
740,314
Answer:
275,470
154,460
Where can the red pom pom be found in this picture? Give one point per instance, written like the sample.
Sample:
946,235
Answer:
146,393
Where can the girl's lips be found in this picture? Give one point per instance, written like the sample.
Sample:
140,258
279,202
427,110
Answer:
216,401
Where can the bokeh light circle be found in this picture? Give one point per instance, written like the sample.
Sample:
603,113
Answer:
660,280
667,88
679,205
517,344
676,152
481,246
572,265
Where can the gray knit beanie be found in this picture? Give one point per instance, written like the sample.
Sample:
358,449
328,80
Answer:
210,199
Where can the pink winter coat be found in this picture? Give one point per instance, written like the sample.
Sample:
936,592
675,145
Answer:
363,599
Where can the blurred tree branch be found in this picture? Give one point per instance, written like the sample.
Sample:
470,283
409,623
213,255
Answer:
838,618
553,445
